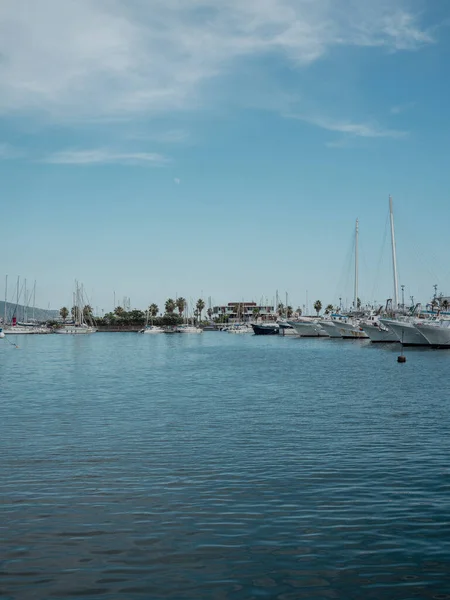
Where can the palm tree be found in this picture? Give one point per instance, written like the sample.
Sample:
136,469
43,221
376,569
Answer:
64,313
299,311
280,309
209,313
87,311
329,309
317,306
169,306
358,303
181,305
118,311
200,306
289,311
153,309
256,313
445,305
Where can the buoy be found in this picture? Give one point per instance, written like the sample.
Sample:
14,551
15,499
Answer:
401,358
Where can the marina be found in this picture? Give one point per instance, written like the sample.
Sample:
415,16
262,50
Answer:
268,460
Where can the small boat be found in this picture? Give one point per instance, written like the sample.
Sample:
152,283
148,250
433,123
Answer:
266,329
152,329
244,328
189,329
2,335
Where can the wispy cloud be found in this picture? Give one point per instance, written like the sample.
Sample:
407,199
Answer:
177,180
351,129
8,152
77,59
400,108
104,156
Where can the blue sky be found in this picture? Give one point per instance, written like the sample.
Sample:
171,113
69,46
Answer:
192,147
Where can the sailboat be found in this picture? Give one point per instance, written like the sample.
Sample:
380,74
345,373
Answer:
186,328
151,328
351,328
80,324
378,330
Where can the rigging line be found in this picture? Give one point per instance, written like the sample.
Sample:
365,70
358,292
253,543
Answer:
346,269
377,272
419,252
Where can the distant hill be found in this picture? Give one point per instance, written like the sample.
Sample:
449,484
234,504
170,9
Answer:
21,313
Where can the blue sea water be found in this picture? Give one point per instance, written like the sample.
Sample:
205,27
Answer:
223,467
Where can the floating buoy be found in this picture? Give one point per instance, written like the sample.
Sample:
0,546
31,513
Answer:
401,358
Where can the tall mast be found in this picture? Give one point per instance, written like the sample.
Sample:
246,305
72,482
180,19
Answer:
355,300
6,299
394,253
25,304
34,297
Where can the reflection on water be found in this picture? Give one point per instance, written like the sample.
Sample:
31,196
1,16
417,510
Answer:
221,466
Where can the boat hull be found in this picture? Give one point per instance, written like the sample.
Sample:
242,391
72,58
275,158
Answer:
331,329
378,335
437,335
308,329
265,329
68,330
407,333
350,331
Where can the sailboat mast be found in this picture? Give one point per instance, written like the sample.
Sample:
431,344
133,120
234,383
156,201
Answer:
6,299
34,297
394,253
355,300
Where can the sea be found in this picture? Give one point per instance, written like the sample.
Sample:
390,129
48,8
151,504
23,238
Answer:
223,467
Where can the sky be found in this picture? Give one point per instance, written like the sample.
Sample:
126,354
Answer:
154,148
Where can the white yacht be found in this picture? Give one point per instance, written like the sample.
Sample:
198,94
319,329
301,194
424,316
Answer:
75,329
377,331
330,328
152,329
436,332
406,331
240,328
308,327
26,329
189,329
350,329
2,335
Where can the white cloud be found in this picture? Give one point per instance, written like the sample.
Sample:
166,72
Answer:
400,108
105,156
80,59
363,130
8,152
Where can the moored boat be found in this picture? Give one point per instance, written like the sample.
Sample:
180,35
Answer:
189,329
406,332
330,328
379,333
350,329
437,333
308,327
151,329
266,329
